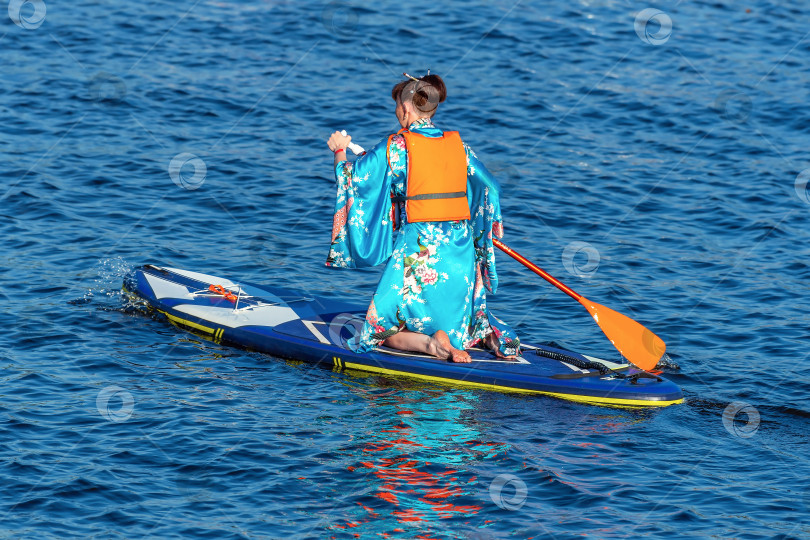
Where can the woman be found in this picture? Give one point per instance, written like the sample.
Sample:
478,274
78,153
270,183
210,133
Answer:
431,187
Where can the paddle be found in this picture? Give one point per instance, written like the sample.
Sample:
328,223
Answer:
635,342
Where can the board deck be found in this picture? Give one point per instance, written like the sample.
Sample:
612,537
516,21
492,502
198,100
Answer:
289,324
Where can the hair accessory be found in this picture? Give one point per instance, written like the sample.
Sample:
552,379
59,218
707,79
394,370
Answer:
411,77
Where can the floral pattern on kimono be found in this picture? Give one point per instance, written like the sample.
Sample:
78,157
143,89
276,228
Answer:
437,274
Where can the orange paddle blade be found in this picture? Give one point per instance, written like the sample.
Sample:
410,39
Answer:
639,345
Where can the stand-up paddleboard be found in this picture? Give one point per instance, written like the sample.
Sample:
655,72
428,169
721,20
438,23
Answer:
289,324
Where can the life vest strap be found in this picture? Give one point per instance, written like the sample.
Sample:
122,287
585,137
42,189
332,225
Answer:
430,196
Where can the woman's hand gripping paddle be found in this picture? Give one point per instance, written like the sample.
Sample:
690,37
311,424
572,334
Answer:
635,342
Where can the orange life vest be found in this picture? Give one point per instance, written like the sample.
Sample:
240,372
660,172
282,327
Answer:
437,178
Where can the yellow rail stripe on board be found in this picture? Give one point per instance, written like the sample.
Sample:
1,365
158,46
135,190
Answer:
341,365
572,397
184,322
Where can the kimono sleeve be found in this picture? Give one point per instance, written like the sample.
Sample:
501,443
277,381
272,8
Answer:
362,233
483,194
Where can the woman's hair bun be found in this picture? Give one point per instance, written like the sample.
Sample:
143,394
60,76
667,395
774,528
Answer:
425,92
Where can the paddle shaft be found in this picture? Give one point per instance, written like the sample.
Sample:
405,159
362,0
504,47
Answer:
536,269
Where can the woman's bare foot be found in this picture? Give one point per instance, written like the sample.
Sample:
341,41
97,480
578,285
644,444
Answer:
493,343
439,345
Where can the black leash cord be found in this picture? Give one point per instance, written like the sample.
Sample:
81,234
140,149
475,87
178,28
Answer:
576,362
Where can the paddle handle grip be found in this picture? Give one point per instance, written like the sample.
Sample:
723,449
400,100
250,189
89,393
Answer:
536,269
355,148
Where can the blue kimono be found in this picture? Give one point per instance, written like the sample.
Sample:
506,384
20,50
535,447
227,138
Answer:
437,273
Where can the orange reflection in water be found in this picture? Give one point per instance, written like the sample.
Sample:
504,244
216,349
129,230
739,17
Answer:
409,491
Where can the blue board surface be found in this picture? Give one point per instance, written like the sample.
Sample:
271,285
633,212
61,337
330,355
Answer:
289,324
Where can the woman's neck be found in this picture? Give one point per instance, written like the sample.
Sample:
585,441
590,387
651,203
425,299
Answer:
424,121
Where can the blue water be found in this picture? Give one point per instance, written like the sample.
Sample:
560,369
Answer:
658,173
